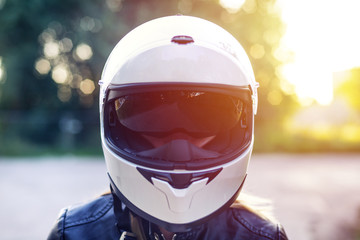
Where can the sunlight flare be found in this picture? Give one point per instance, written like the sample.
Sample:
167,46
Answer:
232,6
324,38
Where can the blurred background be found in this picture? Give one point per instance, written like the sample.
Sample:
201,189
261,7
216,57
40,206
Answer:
305,55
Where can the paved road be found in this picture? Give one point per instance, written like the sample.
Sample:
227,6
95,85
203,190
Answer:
315,197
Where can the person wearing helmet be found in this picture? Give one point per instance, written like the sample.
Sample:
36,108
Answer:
177,104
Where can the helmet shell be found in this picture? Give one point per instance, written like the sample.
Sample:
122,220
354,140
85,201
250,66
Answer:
177,49
149,53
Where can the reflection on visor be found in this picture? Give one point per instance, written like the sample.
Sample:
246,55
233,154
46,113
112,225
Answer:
165,112
170,129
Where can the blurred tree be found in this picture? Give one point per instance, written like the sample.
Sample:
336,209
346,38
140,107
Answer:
51,64
52,53
258,26
349,87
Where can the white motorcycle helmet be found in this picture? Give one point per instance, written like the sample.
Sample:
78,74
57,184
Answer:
177,104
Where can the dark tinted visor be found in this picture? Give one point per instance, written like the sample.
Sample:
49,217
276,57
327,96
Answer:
156,122
194,112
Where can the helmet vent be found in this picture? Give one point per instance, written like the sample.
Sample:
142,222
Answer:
182,39
179,180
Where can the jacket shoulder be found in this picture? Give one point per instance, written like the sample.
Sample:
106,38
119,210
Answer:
94,218
243,223
87,212
258,224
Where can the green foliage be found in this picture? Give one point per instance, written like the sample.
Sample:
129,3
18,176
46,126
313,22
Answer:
350,87
33,106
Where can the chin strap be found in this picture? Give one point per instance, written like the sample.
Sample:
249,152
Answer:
128,236
137,227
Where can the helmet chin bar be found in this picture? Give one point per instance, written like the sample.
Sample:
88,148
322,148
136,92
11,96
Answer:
179,186
172,227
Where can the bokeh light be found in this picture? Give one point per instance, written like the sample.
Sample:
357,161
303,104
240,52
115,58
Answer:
87,86
64,93
257,51
232,6
42,66
66,45
83,52
90,24
114,5
274,97
51,49
60,74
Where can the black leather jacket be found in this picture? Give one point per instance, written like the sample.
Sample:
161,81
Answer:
96,221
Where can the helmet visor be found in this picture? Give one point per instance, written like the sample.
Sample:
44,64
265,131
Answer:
179,126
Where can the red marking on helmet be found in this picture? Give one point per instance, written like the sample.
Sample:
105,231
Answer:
182,39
